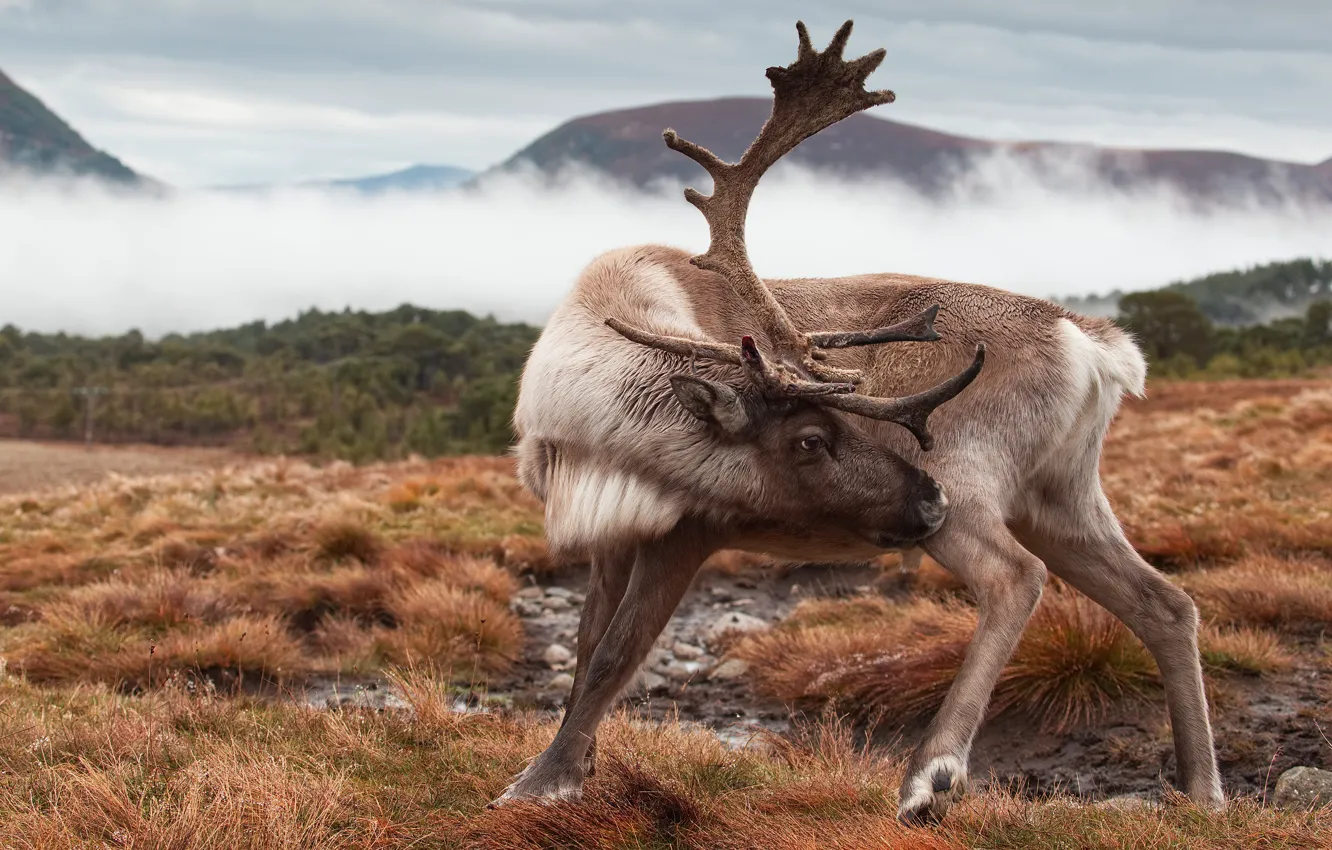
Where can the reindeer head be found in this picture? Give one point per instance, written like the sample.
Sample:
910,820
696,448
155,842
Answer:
786,452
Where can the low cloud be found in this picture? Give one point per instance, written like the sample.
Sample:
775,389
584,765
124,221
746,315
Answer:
81,259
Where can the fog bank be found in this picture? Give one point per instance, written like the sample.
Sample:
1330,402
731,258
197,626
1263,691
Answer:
80,259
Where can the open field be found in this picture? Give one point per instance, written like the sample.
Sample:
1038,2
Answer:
26,465
163,636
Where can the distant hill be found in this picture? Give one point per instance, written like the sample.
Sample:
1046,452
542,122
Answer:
34,139
1240,297
417,178
626,144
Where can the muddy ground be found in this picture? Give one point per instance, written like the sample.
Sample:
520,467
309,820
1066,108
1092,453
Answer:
1263,726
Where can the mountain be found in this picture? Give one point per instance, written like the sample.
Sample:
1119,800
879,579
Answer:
626,144
417,178
34,139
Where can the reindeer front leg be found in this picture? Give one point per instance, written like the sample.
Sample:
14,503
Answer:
662,572
606,585
1007,580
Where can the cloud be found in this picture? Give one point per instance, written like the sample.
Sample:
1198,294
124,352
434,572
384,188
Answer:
1185,73
80,259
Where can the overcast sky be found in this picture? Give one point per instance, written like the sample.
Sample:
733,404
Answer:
205,92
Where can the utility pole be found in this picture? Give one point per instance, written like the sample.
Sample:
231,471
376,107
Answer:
89,399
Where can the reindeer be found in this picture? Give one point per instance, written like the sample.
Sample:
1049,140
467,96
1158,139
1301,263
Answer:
676,406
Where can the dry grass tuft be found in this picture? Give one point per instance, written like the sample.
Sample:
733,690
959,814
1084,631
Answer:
480,576
1289,594
305,598
444,625
260,645
1075,662
633,805
346,641
344,540
1243,650
161,601
827,649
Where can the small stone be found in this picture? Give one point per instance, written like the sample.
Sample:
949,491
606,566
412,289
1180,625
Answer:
681,671
530,592
729,671
686,652
733,621
743,601
1303,788
577,598
526,608
720,594
562,592
560,683
556,603
555,655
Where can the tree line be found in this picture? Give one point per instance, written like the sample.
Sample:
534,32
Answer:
1182,341
353,385
363,386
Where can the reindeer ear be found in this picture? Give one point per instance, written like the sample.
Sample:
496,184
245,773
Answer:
712,402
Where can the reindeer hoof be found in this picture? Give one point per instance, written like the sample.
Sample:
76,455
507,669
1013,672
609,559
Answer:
929,793
539,783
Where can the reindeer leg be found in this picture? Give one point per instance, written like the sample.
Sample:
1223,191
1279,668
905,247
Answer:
605,588
661,574
1007,580
1104,565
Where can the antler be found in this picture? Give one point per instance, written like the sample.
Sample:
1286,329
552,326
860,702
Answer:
911,412
812,93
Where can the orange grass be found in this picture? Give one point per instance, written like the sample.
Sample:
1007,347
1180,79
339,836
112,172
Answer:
95,769
281,569
1202,472
1287,594
130,582
1243,650
1075,663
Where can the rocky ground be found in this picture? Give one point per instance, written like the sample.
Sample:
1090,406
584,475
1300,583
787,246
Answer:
1263,727
684,672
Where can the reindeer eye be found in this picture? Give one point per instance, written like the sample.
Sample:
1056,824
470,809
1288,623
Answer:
812,443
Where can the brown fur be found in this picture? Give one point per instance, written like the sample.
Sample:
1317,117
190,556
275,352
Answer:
1016,455
648,461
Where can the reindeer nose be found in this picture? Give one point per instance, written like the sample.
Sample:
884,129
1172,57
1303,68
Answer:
932,505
